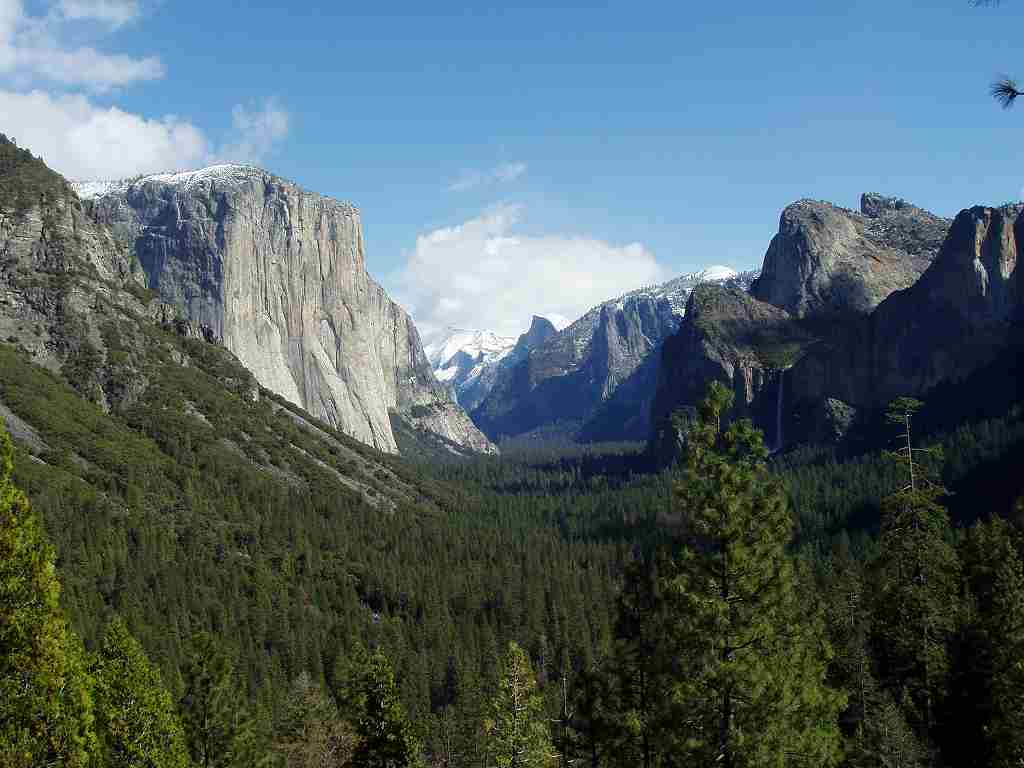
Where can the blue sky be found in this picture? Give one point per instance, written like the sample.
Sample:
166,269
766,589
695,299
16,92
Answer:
682,128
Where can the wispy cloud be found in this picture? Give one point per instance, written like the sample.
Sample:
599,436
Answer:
257,131
34,48
483,273
509,171
115,13
472,178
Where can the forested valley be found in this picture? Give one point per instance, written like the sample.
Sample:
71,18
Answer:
169,600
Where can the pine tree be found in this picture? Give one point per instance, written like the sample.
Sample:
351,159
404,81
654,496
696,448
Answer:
516,731
309,732
751,652
136,719
368,698
594,723
917,600
641,683
46,710
987,687
876,729
209,701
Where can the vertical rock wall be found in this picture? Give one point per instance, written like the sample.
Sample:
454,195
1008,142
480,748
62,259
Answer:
279,275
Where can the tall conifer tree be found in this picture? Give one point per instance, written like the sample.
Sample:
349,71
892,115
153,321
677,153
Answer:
368,698
917,600
751,652
516,730
136,719
46,711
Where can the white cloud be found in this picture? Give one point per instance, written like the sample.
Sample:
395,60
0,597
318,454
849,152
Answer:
482,274
472,178
83,140
509,171
255,132
115,13
32,47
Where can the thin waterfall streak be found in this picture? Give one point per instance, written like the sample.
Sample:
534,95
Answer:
778,413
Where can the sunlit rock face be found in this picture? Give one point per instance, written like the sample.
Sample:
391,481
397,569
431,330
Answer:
278,274
827,260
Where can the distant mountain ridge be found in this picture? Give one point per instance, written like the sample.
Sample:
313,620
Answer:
593,380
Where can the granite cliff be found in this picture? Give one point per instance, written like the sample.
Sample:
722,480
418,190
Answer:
831,260
278,275
851,310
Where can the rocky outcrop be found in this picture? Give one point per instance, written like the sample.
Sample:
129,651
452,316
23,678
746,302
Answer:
66,284
594,379
830,260
729,336
278,275
812,360
956,319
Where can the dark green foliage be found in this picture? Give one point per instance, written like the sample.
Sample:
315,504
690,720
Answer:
368,698
516,733
640,686
309,732
987,686
210,703
46,710
25,180
919,577
136,719
749,689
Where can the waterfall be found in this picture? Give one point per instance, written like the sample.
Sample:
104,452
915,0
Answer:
778,412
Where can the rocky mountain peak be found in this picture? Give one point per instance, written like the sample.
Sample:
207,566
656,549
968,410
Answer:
830,260
874,205
541,329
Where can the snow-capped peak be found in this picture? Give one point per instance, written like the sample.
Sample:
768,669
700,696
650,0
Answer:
718,272
476,344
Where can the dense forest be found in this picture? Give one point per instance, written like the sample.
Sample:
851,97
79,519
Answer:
224,599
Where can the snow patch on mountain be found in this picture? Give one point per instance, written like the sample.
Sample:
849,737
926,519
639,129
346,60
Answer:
224,174
476,344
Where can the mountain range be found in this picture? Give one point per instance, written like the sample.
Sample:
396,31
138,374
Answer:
592,379
849,309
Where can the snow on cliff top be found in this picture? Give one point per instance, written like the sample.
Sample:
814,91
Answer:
558,321
224,172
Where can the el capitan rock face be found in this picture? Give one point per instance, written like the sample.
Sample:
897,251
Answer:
278,274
